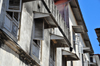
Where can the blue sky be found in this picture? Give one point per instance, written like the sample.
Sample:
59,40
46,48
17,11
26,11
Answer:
91,14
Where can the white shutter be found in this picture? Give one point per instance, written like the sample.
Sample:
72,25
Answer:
14,5
38,29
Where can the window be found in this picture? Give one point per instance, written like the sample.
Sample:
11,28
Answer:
38,29
74,40
12,22
52,55
71,63
14,5
82,59
35,48
64,61
13,16
91,59
52,51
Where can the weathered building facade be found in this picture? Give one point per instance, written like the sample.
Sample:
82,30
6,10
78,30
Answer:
97,57
36,33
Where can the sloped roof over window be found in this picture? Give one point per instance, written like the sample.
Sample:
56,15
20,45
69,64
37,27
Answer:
59,41
49,19
70,55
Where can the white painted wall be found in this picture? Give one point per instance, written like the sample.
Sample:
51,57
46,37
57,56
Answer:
97,59
9,58
26,30
72,22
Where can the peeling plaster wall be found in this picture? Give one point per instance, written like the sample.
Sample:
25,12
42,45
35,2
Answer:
26,27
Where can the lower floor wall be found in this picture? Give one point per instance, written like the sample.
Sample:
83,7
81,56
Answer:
9,58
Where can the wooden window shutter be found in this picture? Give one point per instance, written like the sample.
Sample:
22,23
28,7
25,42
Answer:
38,29
14,5
8,24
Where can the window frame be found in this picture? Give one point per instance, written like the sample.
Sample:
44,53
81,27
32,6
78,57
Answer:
38,46
74,40
35,31
13,23
12,10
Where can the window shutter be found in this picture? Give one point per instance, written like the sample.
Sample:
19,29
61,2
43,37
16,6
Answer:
35,49
11,25
8,24
39,29
14,29
14,5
